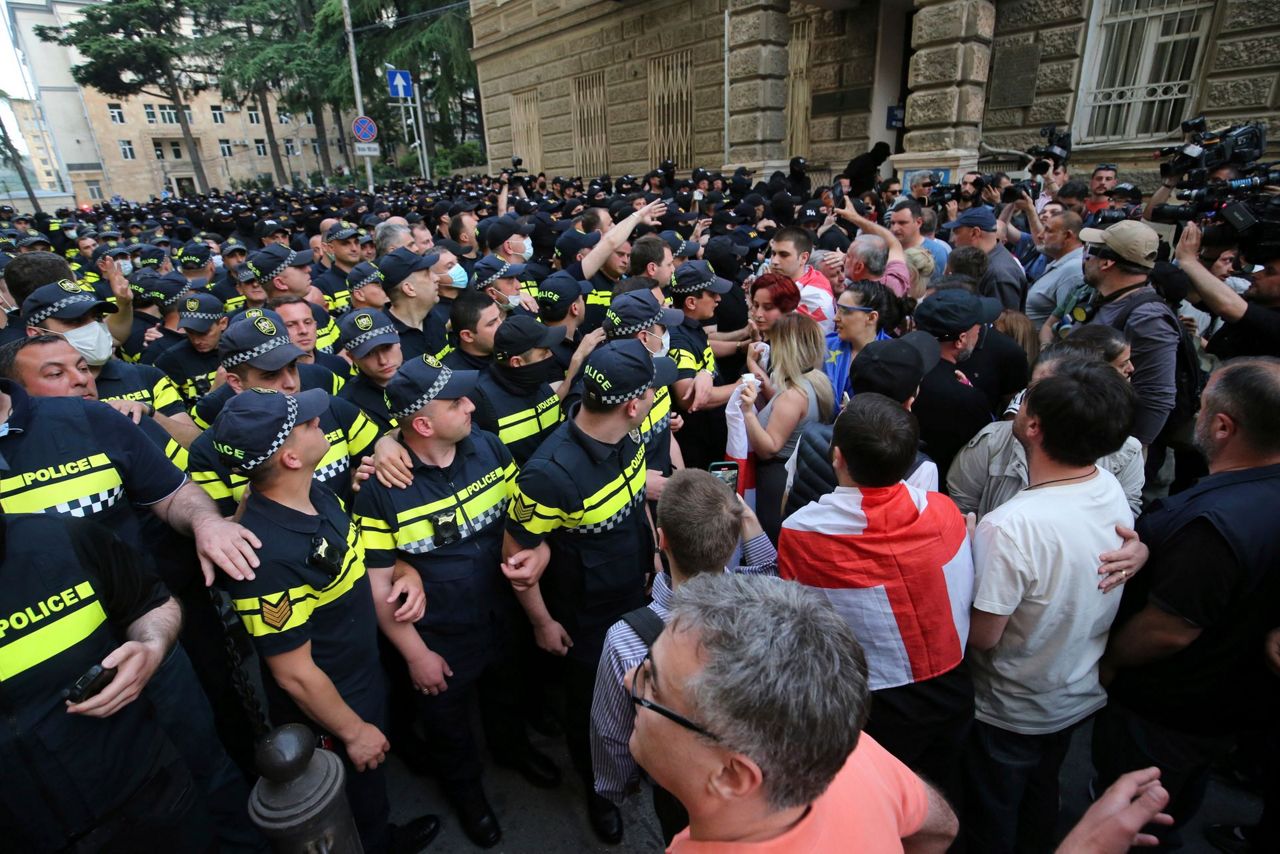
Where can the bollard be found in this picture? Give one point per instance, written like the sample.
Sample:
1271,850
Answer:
299,803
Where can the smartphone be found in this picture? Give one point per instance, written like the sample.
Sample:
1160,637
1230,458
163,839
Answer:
92,682
727,471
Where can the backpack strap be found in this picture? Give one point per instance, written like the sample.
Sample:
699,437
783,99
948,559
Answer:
645,623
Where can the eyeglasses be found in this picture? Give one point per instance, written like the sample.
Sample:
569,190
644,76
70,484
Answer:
641,672
850,309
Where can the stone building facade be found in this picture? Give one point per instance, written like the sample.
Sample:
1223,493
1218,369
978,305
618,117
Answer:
580,87
133,147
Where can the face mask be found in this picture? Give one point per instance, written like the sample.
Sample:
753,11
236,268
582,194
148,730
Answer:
126,267
666,345
528,250
513,301
531,376
93,341
217,262
458,275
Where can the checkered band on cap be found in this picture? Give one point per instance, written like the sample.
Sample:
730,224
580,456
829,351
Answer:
156,296
202,315
254,352
365,336
624,331
481,285
38,317
287,262
615,399
429,395
375,276
290,421
693,287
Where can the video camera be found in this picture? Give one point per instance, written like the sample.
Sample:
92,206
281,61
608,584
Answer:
943,193
1206,150
1012,193
1055,151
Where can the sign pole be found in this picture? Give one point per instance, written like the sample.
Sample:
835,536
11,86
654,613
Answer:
422,137
355,81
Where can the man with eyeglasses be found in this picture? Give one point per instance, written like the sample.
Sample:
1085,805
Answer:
922,184
767,753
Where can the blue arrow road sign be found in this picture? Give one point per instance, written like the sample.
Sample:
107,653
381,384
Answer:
364,129
399,83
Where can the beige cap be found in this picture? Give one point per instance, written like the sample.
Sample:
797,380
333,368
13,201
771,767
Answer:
1133,241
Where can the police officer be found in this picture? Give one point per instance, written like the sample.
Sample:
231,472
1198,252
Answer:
578,503
501,280
474,319
98,772
193,364
414,292
342,245
309,608
155,307
369,338
562,302
365,282
256,353
448,525
285,272
696,291
514,399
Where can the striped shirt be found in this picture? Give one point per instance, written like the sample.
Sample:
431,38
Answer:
613,715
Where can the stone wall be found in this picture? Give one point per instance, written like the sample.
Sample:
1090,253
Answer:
843,56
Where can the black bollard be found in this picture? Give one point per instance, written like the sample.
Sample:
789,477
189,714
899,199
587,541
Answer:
299,803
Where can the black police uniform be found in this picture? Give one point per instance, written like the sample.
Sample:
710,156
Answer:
350,433
119,380
447,524
655,430
68,591
336,365
520,417
294,599
337,295
192,371
703,436
584,498
371,399
148,353
427,341
309,376
459,360
597,302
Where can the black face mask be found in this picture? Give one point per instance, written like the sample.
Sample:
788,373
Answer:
529,377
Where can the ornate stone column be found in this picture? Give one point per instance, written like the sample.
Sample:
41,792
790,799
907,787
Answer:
758,34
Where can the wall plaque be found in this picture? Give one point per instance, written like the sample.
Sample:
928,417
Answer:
1013,76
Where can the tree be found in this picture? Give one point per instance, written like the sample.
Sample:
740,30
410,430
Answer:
9,155
137,47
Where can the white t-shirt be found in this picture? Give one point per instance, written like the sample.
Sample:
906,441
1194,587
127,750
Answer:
1036,560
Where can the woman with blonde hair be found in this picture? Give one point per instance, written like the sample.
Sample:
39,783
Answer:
802,394
921,266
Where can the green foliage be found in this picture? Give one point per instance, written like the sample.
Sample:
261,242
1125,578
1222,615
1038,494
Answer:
460,156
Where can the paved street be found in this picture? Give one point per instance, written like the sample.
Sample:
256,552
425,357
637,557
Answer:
555,821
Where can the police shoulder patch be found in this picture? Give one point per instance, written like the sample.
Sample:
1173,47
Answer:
522,509
276,614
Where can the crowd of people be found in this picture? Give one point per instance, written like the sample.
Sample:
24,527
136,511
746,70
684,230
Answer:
826,515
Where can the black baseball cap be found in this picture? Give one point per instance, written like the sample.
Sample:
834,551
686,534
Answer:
64,300
490,268
894,367
398,264
32,238
572,241
193,255
164,290
619,371
946,314
254,424
362,330
502,229
976,217
199,312
341,231
272,260
680,248
233,244
636,311
560,289
257,338
150,255
364,274
695,276
268,227
520,333
422,380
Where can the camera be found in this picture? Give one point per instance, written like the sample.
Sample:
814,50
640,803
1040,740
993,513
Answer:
1207,151
943,193
517,164
1055,151
446,528
1012,193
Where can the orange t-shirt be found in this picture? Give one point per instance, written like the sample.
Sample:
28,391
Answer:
873,802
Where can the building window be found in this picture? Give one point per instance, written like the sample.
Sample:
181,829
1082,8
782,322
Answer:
168,114
48,174
186,108
126,150
671,107
255,117
315,146
150,110
284,116
260,146
310,117
342,146
117,114
799,98
1141,64
158,148
44,161
290,148
526,136
176,148
590,125
219,117
224,147
95,190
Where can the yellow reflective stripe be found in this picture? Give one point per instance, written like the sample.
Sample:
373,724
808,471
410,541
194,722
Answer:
200,422
529,287
709,359
661,409
233,303
685,359
537,519
600,297
531,421
444,351
302,600
617,494
375,534
328,336
164,393
336,386
215,486
53,639
99,476
414,525
176,454
361,435
340,300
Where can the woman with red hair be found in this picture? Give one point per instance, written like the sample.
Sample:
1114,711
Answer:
772,296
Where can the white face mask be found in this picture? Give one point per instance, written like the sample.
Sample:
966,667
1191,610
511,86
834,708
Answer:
458,274
513,301
93,341
527,253
217,262
664,349
126,267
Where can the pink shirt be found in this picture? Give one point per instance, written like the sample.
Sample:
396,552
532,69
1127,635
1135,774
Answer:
897,277
873,802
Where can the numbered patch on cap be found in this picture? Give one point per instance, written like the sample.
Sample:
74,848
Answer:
69,286
364,322
432,361
265,326
252,313
193,304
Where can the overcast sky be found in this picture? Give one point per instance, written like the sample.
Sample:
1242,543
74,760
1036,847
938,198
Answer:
11,80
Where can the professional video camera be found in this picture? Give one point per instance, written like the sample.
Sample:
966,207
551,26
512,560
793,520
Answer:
1010,194
943,193
1236,211
1055,151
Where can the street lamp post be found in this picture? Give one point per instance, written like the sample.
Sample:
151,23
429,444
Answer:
355,81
